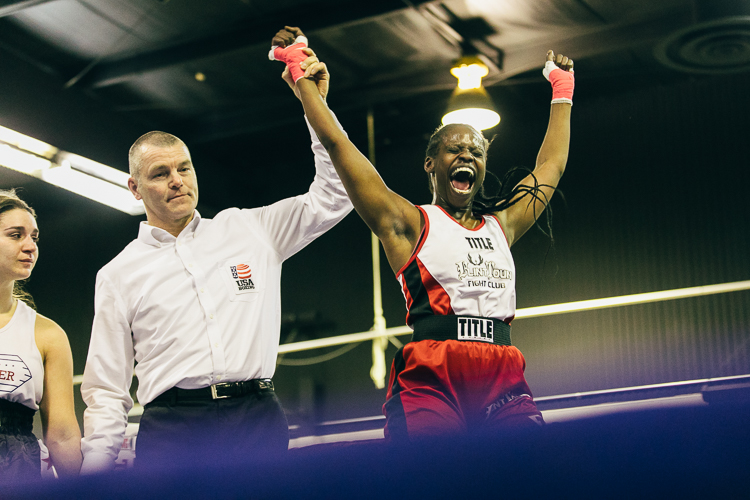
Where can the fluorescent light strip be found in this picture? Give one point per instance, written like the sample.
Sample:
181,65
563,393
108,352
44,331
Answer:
26,143
95,181
93,188
95,169
19,161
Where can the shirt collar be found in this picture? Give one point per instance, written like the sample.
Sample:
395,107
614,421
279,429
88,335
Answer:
156,236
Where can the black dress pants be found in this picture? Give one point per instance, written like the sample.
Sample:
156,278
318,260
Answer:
211,432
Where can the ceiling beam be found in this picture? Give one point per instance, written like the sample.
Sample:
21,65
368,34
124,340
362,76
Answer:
258,117
10,7
313,18
269,113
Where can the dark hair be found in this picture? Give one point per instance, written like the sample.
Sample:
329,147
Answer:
502,197
9,200
499,197
437,138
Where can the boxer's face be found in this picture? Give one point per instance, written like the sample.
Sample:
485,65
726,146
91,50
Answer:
457,170
167,184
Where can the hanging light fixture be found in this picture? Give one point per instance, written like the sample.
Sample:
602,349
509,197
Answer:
470,102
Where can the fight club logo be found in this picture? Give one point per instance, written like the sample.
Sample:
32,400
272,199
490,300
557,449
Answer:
242,277
13,373
475,271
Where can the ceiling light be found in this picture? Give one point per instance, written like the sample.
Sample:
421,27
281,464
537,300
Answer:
93,188
470,102
469,71
26,143
73,172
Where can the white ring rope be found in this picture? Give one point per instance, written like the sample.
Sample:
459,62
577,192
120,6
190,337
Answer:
316,359
626,300
527,312
535,312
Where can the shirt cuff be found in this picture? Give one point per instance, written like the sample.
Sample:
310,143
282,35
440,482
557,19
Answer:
95,462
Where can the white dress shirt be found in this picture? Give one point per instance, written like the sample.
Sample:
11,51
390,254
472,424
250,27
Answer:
196,310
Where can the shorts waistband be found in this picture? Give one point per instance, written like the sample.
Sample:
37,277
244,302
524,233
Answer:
216,391
15,417
465,328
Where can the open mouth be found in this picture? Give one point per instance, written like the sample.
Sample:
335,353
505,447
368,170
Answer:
462,179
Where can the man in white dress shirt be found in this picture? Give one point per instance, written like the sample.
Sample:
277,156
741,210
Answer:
196,304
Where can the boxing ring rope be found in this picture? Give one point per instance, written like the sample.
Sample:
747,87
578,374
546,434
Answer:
380,337
538,311
527,312
642,388
588,395
589,405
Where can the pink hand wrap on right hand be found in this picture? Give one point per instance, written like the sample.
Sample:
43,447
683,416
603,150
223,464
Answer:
563,83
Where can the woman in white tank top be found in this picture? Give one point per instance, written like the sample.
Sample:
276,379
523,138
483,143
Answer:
36,365
459,375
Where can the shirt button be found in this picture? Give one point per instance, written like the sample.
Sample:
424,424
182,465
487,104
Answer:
216,344
211,316
202,290
190,265
218,377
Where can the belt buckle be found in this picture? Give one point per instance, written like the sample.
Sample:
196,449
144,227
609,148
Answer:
215,393
265,384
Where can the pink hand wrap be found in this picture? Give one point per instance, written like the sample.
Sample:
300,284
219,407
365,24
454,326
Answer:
292,56
563,83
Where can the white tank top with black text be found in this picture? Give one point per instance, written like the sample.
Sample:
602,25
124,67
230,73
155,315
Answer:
459,271
21,366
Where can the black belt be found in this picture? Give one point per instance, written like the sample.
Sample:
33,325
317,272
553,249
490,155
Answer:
467,328
216,391
16,417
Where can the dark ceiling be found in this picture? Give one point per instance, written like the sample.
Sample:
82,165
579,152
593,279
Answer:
140,57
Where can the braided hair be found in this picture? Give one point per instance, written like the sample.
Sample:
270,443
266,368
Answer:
498,197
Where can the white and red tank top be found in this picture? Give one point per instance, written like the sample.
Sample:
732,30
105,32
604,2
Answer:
21,366
459,271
